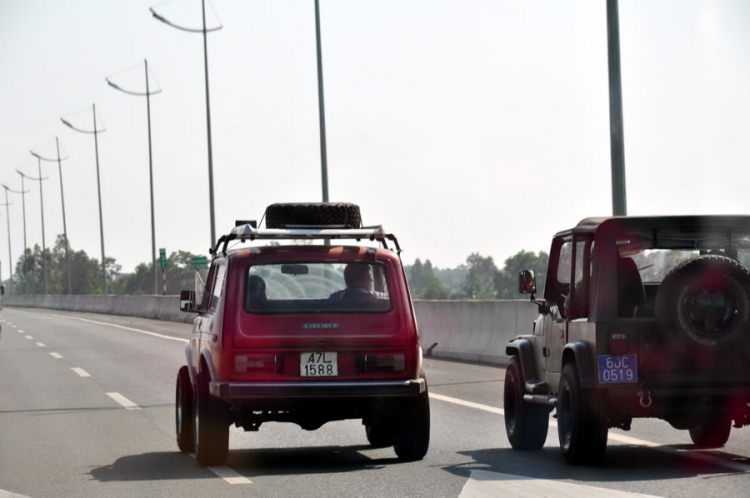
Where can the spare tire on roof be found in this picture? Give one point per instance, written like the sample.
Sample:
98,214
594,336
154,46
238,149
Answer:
289,215
705,303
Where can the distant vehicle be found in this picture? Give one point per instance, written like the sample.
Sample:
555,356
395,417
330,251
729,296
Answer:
641,317
303,333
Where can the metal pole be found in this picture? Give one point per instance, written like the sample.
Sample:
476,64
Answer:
321,108
616,127
65,226
151,182
99,189
44,243
208,125
25,247
10,253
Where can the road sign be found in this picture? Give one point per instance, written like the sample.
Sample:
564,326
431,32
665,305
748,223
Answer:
163,258
200,262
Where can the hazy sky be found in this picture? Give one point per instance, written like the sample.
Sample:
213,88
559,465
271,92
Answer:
460,125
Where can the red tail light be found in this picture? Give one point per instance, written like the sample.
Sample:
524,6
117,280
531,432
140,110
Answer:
256,364
381,363
618,343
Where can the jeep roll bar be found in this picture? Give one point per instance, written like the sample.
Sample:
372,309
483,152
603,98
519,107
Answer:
247,232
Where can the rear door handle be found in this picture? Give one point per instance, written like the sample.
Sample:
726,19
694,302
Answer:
562,333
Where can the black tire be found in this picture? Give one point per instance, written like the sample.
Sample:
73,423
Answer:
580,426
412,436
322,213
712,432
705,303
380,435
183,412
526,424
211,425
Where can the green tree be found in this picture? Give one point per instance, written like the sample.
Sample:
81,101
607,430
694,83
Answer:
480,278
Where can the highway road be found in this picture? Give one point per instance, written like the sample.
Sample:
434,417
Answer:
86,409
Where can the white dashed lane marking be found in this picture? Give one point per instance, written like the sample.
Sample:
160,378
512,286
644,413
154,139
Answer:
29,337
124,401
56,356
229,475
81,372
41,344
613,437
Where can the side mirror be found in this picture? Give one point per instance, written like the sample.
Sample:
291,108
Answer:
2,290
527,282
187,301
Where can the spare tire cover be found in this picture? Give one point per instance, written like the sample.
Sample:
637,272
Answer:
705,302
319,213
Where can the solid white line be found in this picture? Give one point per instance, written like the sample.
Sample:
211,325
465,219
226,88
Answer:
81,372
162,336
124,401
29,337
229,475
613,437
56,356
41,344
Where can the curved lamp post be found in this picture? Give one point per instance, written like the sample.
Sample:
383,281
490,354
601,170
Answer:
22,192
24,176
205,31
10,253
146,94
96,133
59,159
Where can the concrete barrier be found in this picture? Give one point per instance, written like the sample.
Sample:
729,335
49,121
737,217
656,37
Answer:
463,330
473,330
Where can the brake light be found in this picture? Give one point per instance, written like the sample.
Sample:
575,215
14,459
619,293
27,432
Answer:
381,363
618,343
255,364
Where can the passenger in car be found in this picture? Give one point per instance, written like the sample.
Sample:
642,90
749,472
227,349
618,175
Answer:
256,289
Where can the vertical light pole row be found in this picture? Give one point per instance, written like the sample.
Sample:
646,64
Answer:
58,159
96,131
147,94
22,192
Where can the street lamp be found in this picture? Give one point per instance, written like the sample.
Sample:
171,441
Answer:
96,133
321,107
40,178
8,189
59,160
10,253
205,31
147,94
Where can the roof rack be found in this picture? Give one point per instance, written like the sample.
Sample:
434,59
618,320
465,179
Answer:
247,232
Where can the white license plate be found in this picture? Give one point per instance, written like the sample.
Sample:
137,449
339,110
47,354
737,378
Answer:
318,364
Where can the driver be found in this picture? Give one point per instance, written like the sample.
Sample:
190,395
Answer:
359,282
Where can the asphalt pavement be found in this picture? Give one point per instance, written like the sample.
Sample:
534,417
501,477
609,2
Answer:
86,409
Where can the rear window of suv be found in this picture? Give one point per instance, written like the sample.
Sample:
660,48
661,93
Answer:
317,287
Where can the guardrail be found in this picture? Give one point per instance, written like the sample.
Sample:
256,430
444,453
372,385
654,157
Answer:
463,330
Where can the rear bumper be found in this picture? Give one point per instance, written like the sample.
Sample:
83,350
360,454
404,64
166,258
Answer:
229,391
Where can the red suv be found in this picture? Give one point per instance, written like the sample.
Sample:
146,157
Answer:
301,333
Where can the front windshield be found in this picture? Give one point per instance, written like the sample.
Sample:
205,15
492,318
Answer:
316,288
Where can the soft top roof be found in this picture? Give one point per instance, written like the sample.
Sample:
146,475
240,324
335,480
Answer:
625,223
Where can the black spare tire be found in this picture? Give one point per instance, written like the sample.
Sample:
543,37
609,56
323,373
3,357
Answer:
288,215
705,302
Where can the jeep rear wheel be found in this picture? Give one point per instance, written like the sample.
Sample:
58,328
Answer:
287,215
183,411
380,435
581,428
712,432
412,436
705,302
526,424
211,425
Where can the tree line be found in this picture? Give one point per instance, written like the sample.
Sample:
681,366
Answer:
86,273
478,278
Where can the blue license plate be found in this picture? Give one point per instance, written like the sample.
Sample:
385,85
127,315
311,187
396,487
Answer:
618,368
